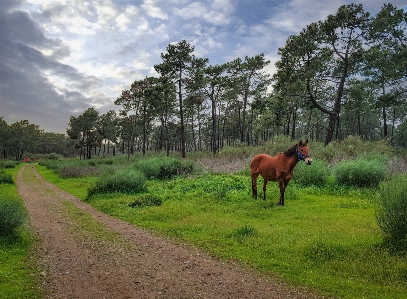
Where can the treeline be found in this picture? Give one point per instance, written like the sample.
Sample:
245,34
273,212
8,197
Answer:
342,76
22,138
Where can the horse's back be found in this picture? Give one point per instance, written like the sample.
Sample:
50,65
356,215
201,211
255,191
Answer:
260,161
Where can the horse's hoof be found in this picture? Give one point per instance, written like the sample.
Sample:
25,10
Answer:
280,204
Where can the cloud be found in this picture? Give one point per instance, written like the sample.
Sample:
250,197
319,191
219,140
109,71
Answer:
152,9
218,13
37,85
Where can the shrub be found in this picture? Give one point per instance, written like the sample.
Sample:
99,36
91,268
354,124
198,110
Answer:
12,216
361,173
127,181
312,175
164,168
10,164
392,212
5,178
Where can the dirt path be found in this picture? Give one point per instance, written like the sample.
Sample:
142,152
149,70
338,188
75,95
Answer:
136,265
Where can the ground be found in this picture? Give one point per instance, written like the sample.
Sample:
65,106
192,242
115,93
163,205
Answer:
135,263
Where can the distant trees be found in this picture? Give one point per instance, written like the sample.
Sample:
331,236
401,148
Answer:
22,138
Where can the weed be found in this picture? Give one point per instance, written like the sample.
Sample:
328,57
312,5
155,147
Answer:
242,233
12,217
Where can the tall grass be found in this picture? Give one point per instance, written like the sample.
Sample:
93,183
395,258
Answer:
125,181
392,212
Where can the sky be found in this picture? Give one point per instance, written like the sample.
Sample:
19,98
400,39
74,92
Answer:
61,57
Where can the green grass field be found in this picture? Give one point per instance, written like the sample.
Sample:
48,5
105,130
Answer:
324,239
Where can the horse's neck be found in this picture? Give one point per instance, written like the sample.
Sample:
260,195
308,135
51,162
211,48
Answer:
291,161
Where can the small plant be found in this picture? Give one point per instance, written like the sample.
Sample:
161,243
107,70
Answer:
392,212
127,181
242,233
5,178
361,173
12,217
146,200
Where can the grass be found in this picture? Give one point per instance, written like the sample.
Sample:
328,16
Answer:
17,273
327,240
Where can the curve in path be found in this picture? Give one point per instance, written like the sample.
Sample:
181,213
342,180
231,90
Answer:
132,264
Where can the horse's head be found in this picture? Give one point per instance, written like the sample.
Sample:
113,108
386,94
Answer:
303,152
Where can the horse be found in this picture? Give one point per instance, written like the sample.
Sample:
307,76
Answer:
278,168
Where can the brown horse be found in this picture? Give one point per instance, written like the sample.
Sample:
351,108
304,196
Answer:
278,168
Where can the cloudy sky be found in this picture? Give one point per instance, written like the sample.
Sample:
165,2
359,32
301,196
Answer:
60,57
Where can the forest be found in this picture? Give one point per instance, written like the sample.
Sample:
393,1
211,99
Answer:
345,75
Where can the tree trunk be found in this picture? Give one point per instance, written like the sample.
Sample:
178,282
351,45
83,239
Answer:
181,115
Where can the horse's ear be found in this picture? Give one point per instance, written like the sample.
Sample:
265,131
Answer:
300,143
306,141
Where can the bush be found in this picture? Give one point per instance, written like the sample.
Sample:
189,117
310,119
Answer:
164,168
312,175
12,216
392,212
127,181
9,164
361,173
5,178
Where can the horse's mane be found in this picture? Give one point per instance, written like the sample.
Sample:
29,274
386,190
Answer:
291,151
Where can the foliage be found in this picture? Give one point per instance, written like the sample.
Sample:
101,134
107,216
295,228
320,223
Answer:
125,181
361,173
164,167
392,212
9,164
5,178
314,175
12,217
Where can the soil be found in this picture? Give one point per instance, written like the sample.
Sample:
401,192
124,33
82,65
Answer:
142,265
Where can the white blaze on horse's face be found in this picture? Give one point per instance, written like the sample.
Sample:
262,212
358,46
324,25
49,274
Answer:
308,160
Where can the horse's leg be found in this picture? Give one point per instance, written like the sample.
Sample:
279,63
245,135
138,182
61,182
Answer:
281,184
264,189
254,185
